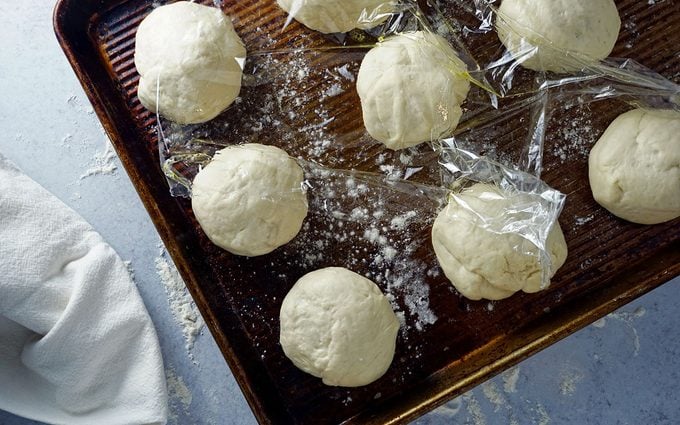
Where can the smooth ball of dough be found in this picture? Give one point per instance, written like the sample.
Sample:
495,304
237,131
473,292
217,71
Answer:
586,27
249,199
634,168
331,16
484,264
411,87
185,54
338,326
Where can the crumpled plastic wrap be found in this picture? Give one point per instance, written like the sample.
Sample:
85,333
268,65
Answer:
532,207
300,95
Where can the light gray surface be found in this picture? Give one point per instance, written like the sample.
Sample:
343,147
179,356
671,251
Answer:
622,370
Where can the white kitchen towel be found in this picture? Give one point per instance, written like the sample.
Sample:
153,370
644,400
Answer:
77,345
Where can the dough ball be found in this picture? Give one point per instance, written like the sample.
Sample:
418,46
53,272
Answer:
185,54
634,168
586,27
484,264
411,87
338,326
330,16
249,199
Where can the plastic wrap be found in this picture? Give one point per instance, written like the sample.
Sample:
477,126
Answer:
530,207
299,94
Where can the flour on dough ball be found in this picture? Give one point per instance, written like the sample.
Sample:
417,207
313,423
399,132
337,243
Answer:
185,54
338,326
483,264
634,168
588,28
249,199
411,87
331,16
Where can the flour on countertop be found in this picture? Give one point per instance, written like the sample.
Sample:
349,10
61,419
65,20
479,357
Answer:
75,102
182,306
543,417
628,319
179,396
510,378
495,396
600,323
130,269
569,379
474,409
101,163
450,409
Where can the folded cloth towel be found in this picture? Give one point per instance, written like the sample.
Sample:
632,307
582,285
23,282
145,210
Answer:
77,345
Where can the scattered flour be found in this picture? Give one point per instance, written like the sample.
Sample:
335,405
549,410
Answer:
600,323
130,269
510,378
574,138
377,238
399,222
179,396
75,102
580,221
101,163
182,306
450,409
473,409
346,73
543,417
628,319
494,395
569,379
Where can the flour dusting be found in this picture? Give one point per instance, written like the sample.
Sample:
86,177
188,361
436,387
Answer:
101,163
543,417
628,318
130,269
600,323
474,410
569,379
510,378
179,396
574,138
183,308
379,239
494,395
450,409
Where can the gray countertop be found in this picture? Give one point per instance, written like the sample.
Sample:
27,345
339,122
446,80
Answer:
623,369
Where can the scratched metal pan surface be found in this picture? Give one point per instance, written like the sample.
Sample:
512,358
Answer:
610,261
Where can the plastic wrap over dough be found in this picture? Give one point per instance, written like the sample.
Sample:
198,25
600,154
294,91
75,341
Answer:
185,54
481,262
539,32
411,87
331,16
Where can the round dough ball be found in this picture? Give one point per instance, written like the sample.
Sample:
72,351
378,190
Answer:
338,326
185,54
588,28
331,16
484,264
249,199
634,168
411,87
